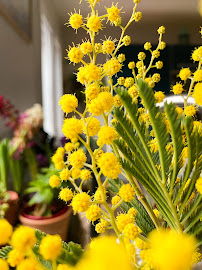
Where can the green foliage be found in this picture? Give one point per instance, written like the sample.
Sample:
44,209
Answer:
9,164
43,193
4,252
4,157
158,172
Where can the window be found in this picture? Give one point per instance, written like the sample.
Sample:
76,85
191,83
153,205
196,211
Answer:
51,68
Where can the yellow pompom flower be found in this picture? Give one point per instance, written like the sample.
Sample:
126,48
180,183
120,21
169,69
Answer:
93,126
76,20
131,65
109,165
177,89
179,111
98,48
113,13
78,158
94,23
156,54
65,174
108,46
3,264
75,173
162,45
121,80
106,135
197,95
133,91
112,66
159,65
159,96
69,147
197,54
93,73
156,77
107,100
122,220
126,40
161,30
96,107
198,75
93,213
147,46
121,58
137,16
100,228
88,74
72,127
130,231
171,250
6,231
29,264
23,238
116,199
86,47
98,195
68,103
75,55
127,193
85,175
128,82
59,165
190,110
133,212
15,257
50,247
141,56
196,258
199,185
184,74
114,255
117,101
54,181
81,202
65,194
140,244
92,91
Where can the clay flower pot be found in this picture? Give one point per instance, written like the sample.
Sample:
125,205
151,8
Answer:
12,212
55,224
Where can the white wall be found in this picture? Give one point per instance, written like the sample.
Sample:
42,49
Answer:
20,62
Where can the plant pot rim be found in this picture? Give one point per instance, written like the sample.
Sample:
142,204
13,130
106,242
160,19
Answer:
63,211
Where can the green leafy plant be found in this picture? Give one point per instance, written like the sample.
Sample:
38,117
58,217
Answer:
43,194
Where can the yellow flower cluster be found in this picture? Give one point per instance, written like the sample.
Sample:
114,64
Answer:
170,244
109,165
127,193
99,82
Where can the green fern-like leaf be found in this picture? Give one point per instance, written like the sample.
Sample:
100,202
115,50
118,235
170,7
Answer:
4,252
158,124
176,133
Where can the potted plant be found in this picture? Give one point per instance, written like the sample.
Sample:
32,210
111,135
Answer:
43,210
9,166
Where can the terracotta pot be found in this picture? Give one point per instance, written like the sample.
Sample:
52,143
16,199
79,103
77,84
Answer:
12,212
56,224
